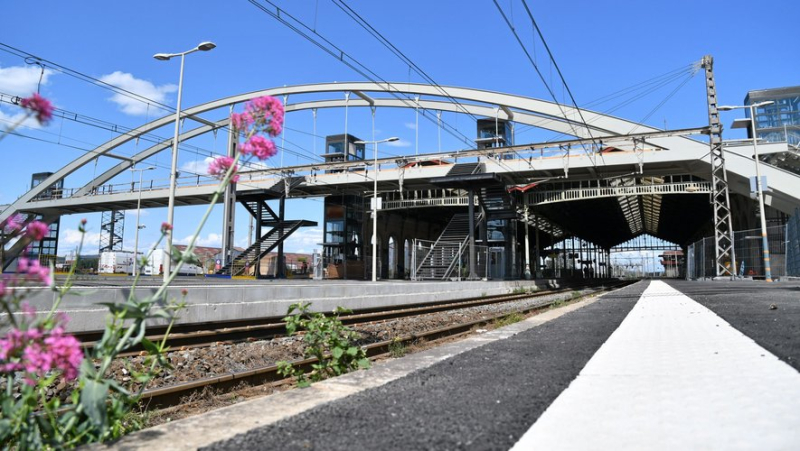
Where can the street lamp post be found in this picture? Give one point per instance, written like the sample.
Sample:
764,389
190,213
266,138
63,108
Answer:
173,176
759,188
375,204
138,227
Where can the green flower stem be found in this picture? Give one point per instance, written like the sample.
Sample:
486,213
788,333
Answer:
190,247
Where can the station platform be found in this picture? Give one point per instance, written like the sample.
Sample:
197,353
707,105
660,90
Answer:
210,300
655,365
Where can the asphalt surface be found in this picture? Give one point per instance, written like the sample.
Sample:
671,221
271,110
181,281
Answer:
746,305
482,399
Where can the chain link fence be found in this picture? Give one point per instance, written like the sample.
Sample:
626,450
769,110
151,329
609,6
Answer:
747,245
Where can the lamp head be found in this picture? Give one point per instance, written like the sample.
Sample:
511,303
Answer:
392,139
206,46
726,108
764,103
162,56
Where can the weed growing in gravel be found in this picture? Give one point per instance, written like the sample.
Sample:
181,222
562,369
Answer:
327,340
397,349
509,319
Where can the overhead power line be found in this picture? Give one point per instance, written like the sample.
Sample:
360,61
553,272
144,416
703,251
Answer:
300,28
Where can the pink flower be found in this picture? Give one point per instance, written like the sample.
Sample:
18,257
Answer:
37,230
258,146
219,167
39,105
261,115
37,352
12,224
241,121
165,227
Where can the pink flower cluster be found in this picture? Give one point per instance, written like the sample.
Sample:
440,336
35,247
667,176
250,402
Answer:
261,116
33,271
12,225
219,167
39,105
264,114
259,147
37,230
37,351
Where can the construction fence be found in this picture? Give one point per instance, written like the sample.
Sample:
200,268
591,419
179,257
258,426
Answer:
784,249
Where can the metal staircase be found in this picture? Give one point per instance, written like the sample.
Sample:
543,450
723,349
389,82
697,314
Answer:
465,169
264,245
265,216
443,256
496,202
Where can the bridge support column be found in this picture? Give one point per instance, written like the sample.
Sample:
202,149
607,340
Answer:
281,270
527,247
472,275
229,208
256,237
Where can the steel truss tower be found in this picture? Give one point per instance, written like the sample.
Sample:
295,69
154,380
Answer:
723,226
112,229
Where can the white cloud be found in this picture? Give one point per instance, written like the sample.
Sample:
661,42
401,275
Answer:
411,125
143,88
9,120
210,240
196,166
22,80
303,240
132,213
398,143
72,237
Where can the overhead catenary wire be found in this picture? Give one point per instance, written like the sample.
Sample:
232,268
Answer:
638,91
569,121
397,52
336,52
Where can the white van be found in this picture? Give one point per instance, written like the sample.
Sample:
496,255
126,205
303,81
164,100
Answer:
116,262
155,265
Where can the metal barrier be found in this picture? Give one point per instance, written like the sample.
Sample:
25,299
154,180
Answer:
793,245
747,245
451,260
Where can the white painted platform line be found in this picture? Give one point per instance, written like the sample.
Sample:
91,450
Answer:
674,376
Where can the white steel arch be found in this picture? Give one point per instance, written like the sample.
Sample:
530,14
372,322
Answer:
523,110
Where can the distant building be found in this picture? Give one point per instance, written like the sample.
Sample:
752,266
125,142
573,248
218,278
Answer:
780,121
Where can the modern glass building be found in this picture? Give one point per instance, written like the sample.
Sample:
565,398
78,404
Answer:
780,121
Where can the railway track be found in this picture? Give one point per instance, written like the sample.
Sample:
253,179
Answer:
266,328
175,394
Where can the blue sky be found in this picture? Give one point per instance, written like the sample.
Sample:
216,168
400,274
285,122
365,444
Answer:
601,47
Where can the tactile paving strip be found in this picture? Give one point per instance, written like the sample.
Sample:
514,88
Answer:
674,375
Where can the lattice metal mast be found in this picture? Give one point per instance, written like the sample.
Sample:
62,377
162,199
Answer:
112,230
723,226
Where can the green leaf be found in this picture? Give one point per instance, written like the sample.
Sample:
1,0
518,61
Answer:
118,388
363,363
5,429
149,346
93,400
352,351
337,353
